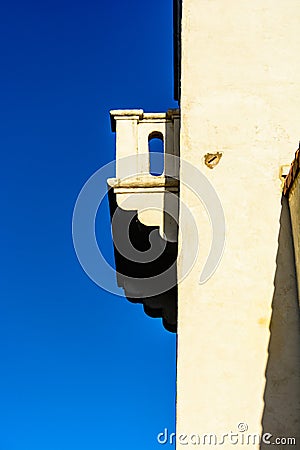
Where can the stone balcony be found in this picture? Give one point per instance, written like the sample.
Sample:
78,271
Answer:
144,211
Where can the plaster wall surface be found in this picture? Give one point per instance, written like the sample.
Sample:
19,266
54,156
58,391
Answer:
238,334
294,203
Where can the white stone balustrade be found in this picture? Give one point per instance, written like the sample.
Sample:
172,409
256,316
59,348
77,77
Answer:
134,186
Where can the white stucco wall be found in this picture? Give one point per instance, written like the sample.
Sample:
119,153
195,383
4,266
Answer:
294,203
240,96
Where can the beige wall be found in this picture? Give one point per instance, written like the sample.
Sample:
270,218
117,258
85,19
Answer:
294,203
240,96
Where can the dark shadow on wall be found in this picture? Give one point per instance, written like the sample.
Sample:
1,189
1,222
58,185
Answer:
281,416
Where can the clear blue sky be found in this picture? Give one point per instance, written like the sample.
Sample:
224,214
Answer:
79,368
